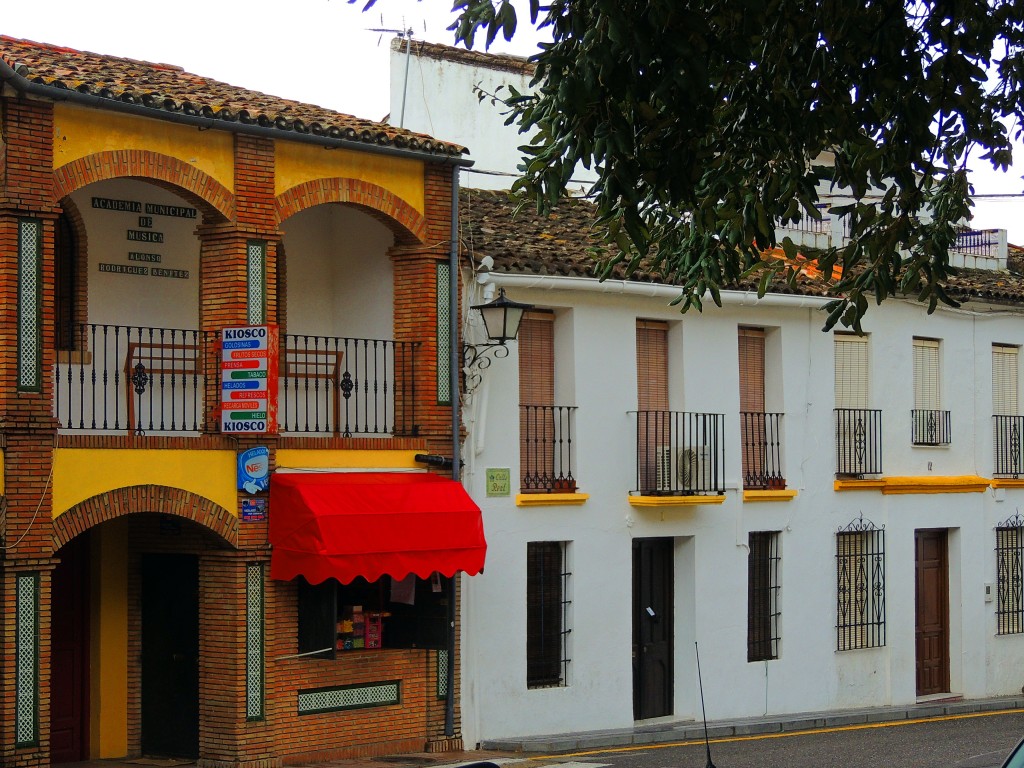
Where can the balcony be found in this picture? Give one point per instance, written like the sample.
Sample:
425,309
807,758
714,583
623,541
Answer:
546,450
1007,431
761,441
972,249
159,380
679,453
929,427
858,442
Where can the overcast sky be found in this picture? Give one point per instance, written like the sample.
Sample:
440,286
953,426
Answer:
318,51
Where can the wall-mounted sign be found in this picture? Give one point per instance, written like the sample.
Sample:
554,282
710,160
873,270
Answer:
499,481
248,386
254,510
144,235
254,469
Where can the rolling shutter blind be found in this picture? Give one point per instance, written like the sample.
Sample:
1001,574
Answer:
851,371
1004,380
926,374
751,349
651,365
537,359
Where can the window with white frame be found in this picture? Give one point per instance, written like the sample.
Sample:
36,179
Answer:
929,424
547,614
1007,426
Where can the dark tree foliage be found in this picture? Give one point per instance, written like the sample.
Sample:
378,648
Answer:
711,122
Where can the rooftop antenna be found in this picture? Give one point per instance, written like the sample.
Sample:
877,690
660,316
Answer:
402,34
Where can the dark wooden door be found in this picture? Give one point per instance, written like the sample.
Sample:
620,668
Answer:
932,612
653,625
170,655
69,654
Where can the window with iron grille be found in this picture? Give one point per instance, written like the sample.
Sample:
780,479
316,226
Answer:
1010,576
763,596
860,586
547,614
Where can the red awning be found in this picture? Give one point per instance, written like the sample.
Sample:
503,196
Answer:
349,524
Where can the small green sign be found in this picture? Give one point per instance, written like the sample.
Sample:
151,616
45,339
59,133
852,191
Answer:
499,482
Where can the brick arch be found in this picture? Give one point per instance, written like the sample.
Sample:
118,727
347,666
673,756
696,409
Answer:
136,499
407,224
208,194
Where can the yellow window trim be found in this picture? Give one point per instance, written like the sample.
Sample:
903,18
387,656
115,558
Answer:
766,495
1007,482
904,485
550,499
675,501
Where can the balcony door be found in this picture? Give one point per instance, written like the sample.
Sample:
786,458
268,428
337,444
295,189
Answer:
654,437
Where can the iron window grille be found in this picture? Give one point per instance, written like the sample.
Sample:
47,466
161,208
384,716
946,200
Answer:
860,592
679,453
546,450
1009,458
1010,576
547,614
761,436
930,427
763,588
858,442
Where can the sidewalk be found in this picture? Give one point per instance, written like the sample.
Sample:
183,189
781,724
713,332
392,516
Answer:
690,730
537,751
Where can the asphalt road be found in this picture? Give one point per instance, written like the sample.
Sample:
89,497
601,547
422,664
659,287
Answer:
954,742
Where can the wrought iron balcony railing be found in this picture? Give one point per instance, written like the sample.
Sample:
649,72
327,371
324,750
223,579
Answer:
761,440
858,442
1007,431
128,378
930,427
679,453
346,387
545,448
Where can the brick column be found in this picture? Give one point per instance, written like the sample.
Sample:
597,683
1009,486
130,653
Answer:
234,728
25,662
27,197
223,275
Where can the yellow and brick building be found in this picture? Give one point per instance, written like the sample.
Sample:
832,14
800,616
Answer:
143,210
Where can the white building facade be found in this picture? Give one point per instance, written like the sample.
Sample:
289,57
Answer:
831,520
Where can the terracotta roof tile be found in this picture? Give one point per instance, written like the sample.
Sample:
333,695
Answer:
557,244
500,61
168,88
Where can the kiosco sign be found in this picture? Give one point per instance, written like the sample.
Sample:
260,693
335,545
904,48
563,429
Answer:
248,389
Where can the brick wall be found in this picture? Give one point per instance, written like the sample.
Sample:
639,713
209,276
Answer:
173,523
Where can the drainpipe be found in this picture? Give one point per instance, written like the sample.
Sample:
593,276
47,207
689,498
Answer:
453,389
24,85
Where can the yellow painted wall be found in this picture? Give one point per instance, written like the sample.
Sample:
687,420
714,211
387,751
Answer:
80,131
81,473
304,459
298,163
108,683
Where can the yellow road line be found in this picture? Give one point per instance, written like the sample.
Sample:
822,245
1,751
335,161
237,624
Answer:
780,735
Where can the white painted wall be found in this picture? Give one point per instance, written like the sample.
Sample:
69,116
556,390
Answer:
140,300
340,278
441,101
711,568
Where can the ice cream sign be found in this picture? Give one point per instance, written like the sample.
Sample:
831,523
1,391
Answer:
254,470
248,389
